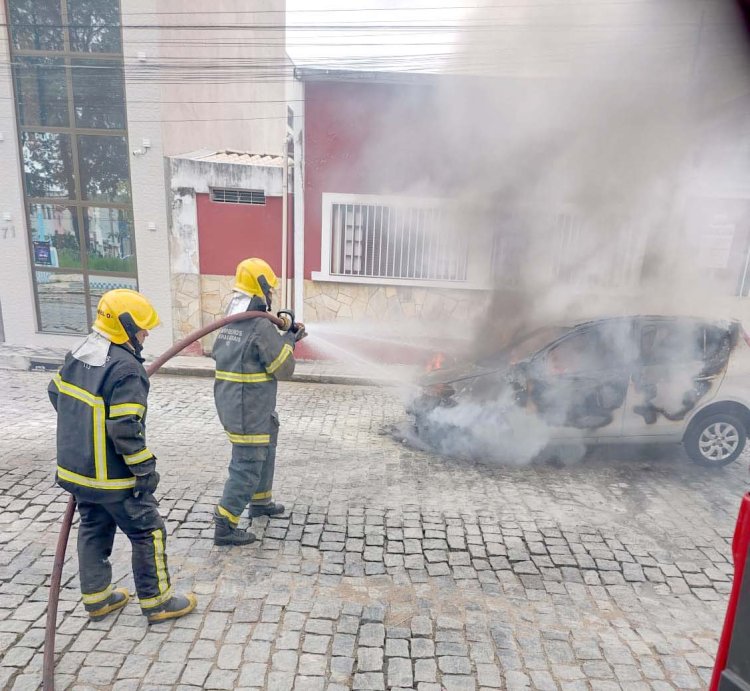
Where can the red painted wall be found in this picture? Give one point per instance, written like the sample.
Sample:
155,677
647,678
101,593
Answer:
229,233
366,138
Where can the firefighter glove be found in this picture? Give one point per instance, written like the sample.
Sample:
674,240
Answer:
299,331
146,484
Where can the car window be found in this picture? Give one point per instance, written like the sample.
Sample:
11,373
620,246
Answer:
716,343
683,342
581,352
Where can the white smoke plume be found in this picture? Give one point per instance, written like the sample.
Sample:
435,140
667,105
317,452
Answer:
583,185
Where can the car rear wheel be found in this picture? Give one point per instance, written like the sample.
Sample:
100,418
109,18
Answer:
716,440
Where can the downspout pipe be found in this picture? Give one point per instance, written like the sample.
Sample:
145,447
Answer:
48,667
285,225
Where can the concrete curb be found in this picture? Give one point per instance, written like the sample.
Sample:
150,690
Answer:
45,363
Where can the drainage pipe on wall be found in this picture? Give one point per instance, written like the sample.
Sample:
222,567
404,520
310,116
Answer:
285,224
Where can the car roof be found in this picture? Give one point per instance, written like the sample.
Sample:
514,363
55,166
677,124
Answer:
655,317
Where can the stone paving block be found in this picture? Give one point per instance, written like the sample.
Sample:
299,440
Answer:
285,660
343,645
397,632
372,635
396,647
449,664
196,672
421,648
313,665
283,681
369,681
252,674
452,682
399,672
369,659
315,644
165,673
341,668
230,657
425,670
303,683
421,627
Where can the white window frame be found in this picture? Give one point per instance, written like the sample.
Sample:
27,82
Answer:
478,264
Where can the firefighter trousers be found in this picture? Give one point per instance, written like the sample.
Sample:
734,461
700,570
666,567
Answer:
251,472
139,519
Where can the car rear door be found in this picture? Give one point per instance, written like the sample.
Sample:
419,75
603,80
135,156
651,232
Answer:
680,364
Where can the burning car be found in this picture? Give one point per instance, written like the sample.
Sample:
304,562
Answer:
640,379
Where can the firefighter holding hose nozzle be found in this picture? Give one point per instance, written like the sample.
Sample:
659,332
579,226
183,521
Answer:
102,459
251,356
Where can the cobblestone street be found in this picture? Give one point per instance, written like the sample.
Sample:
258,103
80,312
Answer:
392,568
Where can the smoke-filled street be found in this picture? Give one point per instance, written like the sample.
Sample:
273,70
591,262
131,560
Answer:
393,568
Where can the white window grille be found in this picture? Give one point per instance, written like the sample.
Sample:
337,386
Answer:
392,240
228,196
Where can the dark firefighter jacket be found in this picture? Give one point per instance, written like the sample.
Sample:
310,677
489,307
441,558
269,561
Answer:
101,439
250,357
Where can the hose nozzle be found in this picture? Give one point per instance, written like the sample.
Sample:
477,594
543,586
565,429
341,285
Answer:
287,316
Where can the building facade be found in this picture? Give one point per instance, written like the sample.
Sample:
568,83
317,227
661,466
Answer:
155,143
97,98
409,197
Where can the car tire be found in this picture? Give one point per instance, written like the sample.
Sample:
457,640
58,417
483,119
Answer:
715,440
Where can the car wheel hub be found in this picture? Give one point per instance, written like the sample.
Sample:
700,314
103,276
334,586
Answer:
719,441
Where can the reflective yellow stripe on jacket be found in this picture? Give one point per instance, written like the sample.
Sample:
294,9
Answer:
243,377
286,351
139,457
98,415
76,479
122,409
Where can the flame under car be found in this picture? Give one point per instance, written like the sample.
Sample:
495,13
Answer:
641,379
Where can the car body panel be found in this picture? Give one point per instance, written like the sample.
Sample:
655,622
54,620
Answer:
619,379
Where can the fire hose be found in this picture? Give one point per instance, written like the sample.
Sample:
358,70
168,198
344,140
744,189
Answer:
284,321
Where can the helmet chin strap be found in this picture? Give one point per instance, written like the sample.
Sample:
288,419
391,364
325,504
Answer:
131,329
263,283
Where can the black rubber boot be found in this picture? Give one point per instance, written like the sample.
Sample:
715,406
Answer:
272,509
225,534
177,606
117,600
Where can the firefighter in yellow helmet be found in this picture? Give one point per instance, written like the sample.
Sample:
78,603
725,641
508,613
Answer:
103,461
251,356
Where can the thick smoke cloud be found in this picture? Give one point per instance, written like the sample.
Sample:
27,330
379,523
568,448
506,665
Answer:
585,152
581,184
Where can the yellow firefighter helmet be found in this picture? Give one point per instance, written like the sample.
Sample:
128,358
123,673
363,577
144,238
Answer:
115,304
255,277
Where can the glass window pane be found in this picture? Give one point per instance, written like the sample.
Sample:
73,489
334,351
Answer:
98,285
104,168
62,303
54,235
41,91
36,24
99,94
94,26
47,164
109,239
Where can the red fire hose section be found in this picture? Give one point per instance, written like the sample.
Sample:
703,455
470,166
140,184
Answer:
48,669
740,546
